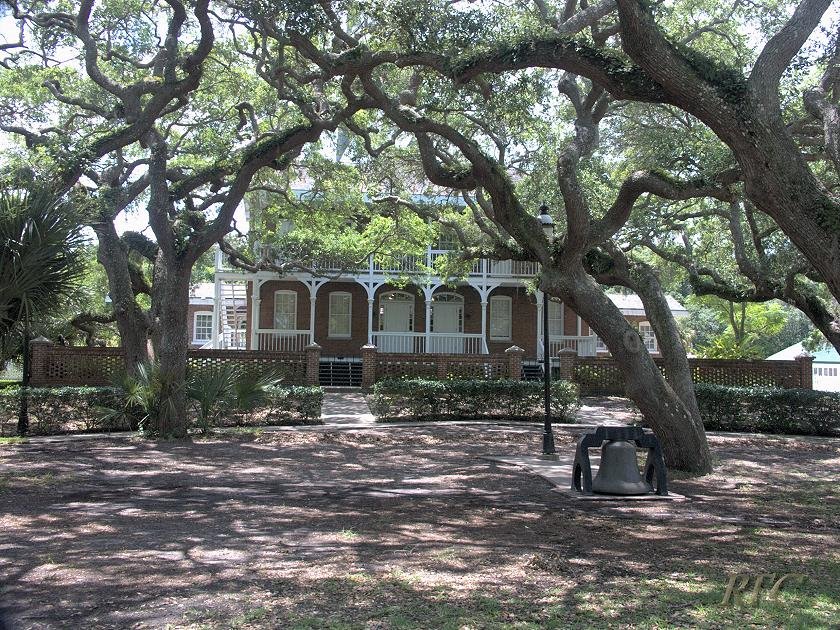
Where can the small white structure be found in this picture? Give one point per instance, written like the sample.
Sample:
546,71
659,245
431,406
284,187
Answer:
826,370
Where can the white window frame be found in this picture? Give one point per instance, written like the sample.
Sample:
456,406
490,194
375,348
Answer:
600,346
330,332
561,319
196,338
295,313
648,336
450,298
495,299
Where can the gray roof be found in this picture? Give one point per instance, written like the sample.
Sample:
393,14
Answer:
631,304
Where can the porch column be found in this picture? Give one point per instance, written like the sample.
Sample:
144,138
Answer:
312,319
255,312
484,324
370,322
540,337
217,306
428,340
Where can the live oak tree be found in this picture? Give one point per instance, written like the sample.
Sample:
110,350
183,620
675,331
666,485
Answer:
729,250
186,145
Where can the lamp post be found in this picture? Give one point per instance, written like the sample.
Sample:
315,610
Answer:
548,434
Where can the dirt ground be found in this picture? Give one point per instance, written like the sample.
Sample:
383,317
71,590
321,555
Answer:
402,528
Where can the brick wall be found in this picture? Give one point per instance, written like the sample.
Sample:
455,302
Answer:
602,376
59,365
332,346
192,310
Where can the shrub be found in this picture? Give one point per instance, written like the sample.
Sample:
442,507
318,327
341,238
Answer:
79,409
467,399
222,390
60,409
769,410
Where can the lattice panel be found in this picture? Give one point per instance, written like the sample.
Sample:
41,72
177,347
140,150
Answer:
405,366
784,374
290,366
490,369
436,366
599,377
59,365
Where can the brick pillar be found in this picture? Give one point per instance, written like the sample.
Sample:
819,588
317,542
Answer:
515,355
368,365
313,363
805,363
567,363
442,367
39,357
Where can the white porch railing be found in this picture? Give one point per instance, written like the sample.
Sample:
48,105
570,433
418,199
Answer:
443,343
584,346
400,342
282,340
456,343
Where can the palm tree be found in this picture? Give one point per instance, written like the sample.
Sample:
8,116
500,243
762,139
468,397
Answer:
40,262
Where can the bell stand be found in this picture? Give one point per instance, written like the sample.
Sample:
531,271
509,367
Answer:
654,466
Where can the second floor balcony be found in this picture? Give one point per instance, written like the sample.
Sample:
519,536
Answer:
410,265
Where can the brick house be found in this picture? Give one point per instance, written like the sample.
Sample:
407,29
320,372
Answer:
486,313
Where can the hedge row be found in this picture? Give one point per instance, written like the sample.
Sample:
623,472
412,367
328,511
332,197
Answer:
470,399
54,410
769,410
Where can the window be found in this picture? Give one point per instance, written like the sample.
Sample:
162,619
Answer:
340,314
649,339
555,318
203,327
285,310
600,346
501,315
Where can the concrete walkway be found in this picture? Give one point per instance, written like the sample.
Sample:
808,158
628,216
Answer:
346,408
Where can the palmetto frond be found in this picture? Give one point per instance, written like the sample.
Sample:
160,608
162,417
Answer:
40,238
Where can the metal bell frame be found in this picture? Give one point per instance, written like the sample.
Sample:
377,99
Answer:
654,466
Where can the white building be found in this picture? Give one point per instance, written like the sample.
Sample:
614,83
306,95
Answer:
826,370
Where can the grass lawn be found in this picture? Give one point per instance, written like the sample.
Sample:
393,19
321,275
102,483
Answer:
403,528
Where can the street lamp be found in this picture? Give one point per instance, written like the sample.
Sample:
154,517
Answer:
548,435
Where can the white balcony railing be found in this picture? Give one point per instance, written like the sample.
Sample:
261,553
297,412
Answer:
400,342
584,346
282,340
507,268
415,264
456,343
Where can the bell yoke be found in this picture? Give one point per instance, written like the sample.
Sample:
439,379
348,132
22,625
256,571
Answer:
618,472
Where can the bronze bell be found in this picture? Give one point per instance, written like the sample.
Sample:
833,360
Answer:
619,470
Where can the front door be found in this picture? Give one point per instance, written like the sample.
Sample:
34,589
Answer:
397,317
447,328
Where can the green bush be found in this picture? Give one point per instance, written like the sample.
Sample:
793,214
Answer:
769,410
469,399
60,409
55,410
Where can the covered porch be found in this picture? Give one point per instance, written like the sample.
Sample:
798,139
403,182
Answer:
342,315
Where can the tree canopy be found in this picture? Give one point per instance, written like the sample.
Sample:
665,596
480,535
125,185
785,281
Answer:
358,128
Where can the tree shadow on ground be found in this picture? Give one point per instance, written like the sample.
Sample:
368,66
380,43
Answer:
413,526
